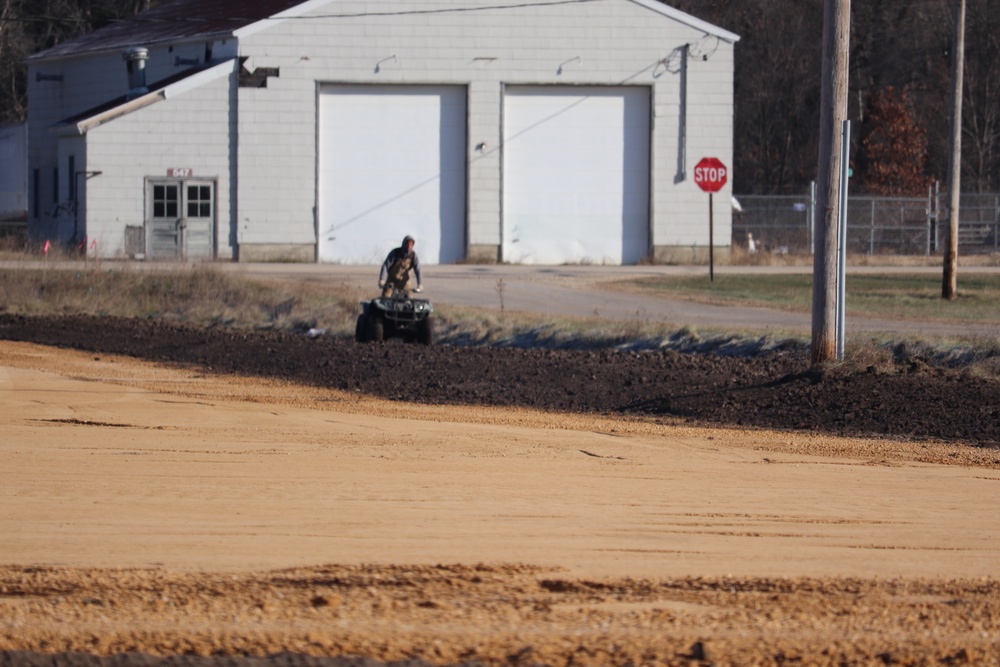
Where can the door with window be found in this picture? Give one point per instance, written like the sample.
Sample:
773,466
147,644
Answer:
181,219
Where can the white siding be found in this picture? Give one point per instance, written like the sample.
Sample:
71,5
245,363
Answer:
606,43
191,130
271,143
86,82
14,174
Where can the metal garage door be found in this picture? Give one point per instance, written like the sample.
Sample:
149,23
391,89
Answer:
392,162
576,175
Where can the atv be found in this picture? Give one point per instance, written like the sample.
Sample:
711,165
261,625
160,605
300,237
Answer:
397,316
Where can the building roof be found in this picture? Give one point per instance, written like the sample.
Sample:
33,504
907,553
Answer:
187,20
170,22
161,90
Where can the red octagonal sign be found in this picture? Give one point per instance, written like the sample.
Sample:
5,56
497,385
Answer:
710,174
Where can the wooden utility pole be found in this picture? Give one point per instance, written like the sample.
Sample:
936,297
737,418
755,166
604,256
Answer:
833,113
949,282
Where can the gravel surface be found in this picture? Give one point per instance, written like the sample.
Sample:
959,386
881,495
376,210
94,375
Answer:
489,615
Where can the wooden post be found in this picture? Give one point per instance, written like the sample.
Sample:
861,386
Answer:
711,240
833,112
949,281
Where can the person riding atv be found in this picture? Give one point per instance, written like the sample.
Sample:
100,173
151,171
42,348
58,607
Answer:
395,273
395,314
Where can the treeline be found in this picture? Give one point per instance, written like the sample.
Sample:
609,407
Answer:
28,26
900,82
900,92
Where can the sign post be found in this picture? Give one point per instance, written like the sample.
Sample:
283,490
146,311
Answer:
710,175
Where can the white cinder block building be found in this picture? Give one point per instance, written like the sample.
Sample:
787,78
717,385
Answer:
542,132
13,172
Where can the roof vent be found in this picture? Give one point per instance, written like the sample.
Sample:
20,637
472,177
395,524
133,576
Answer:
135,61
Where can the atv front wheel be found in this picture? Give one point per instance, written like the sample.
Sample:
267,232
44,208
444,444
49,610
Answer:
425,332
377,330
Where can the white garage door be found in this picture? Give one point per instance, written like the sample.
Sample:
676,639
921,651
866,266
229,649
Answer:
576,175
392,162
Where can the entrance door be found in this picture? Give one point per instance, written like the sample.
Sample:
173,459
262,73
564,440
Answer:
199,221
181,219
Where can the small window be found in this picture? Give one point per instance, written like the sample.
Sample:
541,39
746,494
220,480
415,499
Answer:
199,201
165,201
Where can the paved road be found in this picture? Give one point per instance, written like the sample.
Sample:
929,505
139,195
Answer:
592,291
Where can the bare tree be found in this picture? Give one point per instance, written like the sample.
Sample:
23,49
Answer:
981,108
29,26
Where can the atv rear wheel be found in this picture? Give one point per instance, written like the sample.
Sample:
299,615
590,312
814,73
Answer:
361,329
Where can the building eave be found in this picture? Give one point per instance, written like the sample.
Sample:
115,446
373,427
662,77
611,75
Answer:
88,120
688,20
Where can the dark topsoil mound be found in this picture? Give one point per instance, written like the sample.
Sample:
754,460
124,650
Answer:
776,390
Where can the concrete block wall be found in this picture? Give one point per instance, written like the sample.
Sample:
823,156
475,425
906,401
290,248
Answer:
709,134
13,175
86,81
269,135
607,43
189,130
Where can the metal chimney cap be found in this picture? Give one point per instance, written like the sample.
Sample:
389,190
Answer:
136,53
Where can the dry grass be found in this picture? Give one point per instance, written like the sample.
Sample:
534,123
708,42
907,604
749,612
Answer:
204,295
198,294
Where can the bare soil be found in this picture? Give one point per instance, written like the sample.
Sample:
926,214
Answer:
779,390
264,499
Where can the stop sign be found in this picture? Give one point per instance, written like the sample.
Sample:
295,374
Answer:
710,174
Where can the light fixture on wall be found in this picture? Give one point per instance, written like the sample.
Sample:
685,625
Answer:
567,62
378,65
481,146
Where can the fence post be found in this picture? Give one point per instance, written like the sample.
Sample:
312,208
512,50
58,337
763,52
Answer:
811,218
937,211
871,232
929,226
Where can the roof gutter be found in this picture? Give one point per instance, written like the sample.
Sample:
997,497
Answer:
186,84
84,126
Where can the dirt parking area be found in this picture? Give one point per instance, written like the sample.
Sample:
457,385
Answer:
165,509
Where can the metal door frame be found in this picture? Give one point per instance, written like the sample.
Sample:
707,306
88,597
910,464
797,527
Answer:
182,184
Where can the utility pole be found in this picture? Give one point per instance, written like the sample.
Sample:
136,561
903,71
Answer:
833,112
949,282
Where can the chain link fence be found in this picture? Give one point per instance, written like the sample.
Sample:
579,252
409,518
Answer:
875,225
